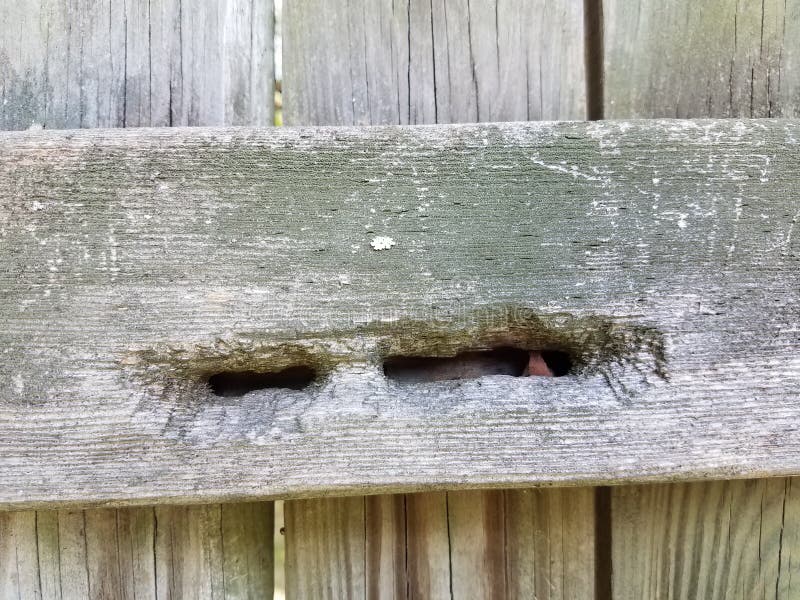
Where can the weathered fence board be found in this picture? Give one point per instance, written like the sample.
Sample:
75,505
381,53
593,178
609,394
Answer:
90,64
86,63
387,62
727,58
493,544
164,552
325,548
660,255
703,540
372,63
719,540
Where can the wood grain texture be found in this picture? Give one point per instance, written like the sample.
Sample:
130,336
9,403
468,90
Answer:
448,61
703,540
550,543
484,544
164,552
718,58
661,255
731,539
439,62
87,63
325,548
91,64
385,546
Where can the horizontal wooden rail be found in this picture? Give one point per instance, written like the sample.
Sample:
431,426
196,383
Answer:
206,314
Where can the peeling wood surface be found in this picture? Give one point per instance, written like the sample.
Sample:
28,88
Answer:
661,255
407,62
726,58
484,544
155,552
130,64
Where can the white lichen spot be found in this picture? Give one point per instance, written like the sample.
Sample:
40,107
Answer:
682,220
656,180
382,242
19,383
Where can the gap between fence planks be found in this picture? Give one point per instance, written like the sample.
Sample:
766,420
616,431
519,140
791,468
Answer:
92,64
734,539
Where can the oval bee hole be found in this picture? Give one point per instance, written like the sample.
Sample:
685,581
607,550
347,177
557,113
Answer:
238,383
471,365
559,363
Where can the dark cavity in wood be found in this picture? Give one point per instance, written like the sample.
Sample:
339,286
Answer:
490,341
239,383
514,362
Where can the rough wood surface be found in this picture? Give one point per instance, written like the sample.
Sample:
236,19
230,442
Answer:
550,543
441,62
731,539
115,64
87,63
703,540
661,255
325,548
492,544
716,58
163,552
411,61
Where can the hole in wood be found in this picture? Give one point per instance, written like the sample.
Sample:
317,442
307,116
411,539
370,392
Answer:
559,363
238,383
471,365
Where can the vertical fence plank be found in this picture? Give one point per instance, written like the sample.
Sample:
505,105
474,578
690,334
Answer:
428,543
325,548
18,556
727,58
49,563
476,523
164,552
726,539
550,540
85,63
370,62
416,61
386,546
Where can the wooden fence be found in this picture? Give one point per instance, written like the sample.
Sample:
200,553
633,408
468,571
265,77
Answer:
659,256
